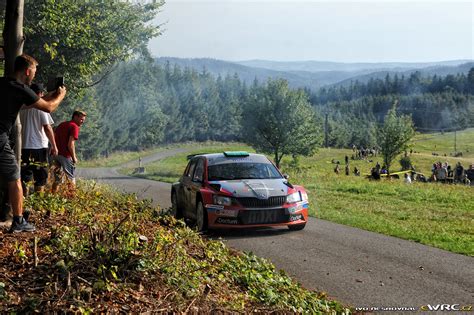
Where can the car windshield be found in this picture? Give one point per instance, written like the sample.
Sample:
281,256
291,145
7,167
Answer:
229,171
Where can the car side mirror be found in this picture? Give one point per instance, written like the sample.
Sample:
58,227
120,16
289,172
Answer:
286,176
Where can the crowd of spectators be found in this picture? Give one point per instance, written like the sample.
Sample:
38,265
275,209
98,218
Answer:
443,172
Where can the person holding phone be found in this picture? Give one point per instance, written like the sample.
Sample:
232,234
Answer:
16,93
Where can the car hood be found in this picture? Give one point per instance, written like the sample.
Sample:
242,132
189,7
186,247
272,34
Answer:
256,188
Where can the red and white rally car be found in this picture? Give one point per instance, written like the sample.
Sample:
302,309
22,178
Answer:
236,190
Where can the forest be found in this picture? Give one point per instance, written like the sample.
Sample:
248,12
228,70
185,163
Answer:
143,104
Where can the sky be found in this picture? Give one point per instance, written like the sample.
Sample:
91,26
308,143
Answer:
341,31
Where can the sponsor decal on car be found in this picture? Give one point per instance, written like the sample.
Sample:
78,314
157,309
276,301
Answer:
227,221
294,209
296,217
214,207
228,213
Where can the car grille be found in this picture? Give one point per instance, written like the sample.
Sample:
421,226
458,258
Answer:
277,201
263,216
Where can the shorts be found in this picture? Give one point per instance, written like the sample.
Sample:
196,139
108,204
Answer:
9,170
67,166
34,166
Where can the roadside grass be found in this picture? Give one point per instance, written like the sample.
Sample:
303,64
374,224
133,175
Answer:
440,215
100,251
121,157
117,158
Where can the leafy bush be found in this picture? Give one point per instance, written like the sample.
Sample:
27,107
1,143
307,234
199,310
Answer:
405,162
102,251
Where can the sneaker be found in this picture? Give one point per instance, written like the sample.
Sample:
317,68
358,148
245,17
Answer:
26,214
21,226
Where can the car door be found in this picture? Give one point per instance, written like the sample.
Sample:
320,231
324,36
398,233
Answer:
186,181
195,185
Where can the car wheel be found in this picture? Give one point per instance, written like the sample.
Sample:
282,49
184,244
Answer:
297,227
201,217
175,210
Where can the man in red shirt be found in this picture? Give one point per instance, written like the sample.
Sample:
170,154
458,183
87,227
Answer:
66,134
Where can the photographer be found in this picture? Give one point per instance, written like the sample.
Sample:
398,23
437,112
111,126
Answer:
16,93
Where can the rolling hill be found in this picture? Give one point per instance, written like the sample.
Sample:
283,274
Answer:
315,74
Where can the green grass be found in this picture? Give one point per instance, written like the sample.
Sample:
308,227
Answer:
121,157
440,215
443,143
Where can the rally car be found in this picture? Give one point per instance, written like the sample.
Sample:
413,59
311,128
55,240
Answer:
236,190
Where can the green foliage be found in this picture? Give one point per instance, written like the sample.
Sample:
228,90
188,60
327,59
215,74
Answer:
280,121
394,135
82,39
405,162
118,252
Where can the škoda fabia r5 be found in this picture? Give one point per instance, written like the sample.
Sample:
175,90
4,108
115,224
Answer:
237,190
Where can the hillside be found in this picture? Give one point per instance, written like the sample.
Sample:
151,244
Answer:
246,74
315,74
318,66
425,72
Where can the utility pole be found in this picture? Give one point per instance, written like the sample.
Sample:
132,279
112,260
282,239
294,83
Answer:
455,150
326,131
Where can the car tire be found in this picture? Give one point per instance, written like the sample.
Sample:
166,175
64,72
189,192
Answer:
175,209
201,217
297,227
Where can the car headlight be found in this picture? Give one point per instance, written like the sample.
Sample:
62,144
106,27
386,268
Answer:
294,197
222,201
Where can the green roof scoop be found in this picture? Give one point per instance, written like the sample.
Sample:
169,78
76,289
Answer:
236,154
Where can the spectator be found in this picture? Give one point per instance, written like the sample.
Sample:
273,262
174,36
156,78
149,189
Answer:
407,178
66,134
15,94
356,171
470,174
458,172
375,173
36,131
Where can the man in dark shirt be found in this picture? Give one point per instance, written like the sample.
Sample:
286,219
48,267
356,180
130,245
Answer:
15,94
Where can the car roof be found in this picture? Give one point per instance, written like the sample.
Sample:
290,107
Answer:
221,158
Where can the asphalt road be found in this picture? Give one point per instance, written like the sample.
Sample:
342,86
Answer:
356,267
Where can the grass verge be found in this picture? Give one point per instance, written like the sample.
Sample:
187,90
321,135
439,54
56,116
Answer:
100,251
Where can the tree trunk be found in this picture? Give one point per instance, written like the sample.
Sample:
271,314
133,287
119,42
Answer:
13,46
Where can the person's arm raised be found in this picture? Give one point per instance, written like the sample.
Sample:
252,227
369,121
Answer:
50,103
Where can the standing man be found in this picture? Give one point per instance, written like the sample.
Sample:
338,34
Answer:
15,94
66,134
36,133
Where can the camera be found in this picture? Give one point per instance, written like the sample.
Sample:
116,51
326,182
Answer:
54,83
